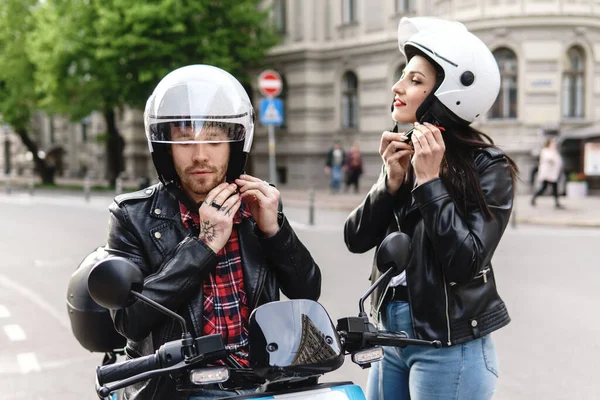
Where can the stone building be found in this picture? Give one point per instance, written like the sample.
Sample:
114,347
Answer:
339,60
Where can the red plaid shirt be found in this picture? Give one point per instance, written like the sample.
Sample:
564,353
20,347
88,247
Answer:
225,303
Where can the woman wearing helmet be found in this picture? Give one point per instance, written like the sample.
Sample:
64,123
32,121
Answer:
212,244
446,185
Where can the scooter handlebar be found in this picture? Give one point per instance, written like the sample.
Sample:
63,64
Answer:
127,369
400,339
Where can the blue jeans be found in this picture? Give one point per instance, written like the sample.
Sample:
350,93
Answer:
336,178
463,371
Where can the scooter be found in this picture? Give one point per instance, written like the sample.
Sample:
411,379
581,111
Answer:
291,343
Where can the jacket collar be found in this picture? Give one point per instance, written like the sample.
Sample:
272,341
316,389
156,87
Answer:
164,204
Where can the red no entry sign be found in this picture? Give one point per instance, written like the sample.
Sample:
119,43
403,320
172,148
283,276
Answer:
269,83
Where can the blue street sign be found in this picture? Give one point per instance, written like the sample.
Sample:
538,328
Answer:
271,111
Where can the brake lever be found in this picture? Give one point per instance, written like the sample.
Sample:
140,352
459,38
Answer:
384,338
104,391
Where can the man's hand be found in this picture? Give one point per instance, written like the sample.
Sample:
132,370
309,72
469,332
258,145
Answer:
216,215
429,152
262,200
396,157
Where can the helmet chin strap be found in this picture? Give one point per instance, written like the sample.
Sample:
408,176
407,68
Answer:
434,112
176,191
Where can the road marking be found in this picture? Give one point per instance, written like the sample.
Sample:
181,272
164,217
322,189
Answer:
14,332
13,369
36,299
28,363
4,313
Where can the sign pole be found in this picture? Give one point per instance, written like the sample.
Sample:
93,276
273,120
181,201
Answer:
272,171
270,86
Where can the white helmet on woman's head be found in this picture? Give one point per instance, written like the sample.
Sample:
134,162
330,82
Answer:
198,96
468,76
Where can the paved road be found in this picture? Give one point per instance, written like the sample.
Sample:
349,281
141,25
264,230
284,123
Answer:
547,276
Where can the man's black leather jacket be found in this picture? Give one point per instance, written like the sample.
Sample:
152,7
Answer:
451,285
146,227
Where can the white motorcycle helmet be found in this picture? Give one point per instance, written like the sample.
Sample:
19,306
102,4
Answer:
468,75
189,99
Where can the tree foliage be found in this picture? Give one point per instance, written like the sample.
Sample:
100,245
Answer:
99,55
18,97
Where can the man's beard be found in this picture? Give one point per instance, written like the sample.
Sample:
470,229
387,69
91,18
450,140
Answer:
200,186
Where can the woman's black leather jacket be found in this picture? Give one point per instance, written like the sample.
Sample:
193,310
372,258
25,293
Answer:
450,280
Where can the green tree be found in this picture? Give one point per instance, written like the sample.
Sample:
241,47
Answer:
105,54
18,98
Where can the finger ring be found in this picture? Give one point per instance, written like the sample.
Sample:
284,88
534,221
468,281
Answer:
215,205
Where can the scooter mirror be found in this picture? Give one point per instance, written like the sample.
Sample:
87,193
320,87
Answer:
394,252
112,280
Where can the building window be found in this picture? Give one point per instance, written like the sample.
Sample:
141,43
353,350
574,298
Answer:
405,6
348,11
505,106
573,83
280,16
349,101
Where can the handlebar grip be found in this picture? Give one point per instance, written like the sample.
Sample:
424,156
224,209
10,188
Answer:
127,369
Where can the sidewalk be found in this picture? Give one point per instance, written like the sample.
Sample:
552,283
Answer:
581,212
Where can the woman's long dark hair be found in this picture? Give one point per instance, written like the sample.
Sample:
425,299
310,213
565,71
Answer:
458,171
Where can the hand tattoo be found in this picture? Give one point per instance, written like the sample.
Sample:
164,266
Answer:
208,231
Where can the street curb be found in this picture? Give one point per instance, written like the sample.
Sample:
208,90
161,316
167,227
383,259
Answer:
520,220
546,222
334,205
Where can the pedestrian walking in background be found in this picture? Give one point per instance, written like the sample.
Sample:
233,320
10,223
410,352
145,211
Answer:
334,166
353,167
549,171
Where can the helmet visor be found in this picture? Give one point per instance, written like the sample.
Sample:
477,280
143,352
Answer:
198,111
194,131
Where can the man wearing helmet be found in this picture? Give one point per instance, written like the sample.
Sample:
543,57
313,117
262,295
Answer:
447,186
211,241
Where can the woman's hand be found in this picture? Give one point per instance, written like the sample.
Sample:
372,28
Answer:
429,152
396,157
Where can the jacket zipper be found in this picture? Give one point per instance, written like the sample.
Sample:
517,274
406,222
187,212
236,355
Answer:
483,274
447,310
